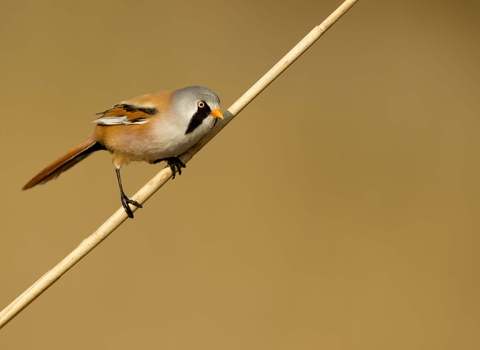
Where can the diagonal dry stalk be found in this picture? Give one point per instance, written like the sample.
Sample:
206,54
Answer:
165,174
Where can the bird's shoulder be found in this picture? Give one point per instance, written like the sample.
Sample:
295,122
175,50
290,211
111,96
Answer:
137,110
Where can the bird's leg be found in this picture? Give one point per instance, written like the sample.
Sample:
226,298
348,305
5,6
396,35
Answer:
125,200
174,163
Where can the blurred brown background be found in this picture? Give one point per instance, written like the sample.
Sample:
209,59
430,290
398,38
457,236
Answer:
340,210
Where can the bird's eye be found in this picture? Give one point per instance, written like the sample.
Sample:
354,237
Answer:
201,104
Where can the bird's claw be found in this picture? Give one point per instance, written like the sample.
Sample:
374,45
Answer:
174,163
125,203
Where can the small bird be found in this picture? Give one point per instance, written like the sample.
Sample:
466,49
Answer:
151,128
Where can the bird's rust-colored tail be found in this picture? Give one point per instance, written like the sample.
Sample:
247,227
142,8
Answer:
65,162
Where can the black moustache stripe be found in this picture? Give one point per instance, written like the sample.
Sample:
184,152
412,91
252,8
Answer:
198,118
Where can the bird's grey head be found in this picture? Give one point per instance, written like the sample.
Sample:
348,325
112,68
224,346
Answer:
195,104
198,93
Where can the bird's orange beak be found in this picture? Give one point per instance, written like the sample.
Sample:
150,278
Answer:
216,113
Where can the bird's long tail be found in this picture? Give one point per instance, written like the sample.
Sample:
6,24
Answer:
65,162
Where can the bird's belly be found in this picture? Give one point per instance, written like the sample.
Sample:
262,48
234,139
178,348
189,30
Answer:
149,150
153,145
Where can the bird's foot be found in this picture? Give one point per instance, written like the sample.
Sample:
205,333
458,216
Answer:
125,203
174,163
